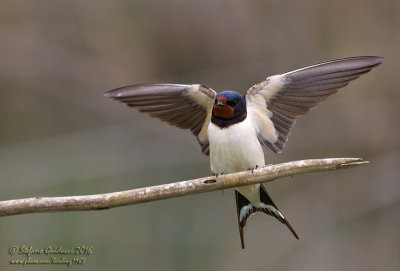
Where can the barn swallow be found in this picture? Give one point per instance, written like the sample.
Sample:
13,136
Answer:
233,129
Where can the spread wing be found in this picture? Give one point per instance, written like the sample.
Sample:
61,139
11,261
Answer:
275,103
184,106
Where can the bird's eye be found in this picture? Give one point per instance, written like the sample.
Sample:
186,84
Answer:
231,103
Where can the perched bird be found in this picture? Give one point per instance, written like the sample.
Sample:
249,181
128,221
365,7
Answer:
232,128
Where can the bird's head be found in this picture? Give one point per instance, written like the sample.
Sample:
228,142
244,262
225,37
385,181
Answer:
229,108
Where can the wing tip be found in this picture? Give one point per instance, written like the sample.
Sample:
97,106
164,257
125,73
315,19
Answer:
367,61
140,89
375,60
111,94
120,92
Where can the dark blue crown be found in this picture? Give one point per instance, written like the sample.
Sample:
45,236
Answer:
231,95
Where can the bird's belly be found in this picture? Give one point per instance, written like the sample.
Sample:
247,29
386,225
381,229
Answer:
235,148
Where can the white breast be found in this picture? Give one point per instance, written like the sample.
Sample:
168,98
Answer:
235,148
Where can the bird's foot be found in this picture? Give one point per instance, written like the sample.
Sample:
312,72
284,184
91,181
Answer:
252,169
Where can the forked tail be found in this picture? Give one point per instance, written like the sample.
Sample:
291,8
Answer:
245,209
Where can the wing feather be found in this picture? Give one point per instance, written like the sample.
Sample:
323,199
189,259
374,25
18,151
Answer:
184,106
290,95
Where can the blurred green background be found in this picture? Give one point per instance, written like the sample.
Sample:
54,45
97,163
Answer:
59,136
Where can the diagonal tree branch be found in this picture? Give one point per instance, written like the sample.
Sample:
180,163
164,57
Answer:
178,189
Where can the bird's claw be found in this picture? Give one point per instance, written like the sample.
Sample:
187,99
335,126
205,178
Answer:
217,174
252,169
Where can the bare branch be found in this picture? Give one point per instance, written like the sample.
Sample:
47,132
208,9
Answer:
165,191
